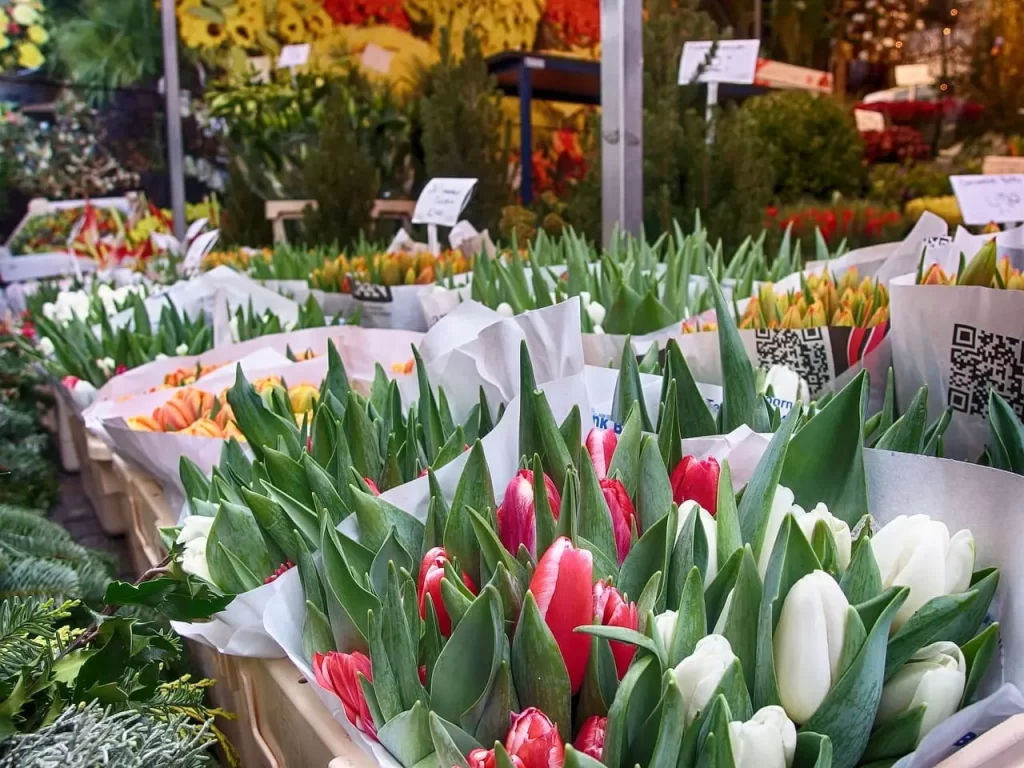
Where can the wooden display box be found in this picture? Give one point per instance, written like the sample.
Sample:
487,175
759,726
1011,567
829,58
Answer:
281,722
101,486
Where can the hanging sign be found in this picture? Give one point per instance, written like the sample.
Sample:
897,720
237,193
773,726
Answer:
997,197
442,200
735,61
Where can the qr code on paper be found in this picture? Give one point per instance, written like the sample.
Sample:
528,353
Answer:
981,361
804,350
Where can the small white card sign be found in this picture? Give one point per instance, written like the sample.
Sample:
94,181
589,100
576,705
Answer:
982,199
869,120
735,61
377,59
442,200
293,56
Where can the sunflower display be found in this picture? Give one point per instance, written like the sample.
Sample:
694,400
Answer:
23,35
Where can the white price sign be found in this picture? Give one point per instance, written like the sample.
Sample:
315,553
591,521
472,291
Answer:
982,199
442,200
293,56
869,120
735,61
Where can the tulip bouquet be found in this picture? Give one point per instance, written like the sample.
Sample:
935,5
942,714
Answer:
1005,449
820,301
247,323
97,353
983,270
646,617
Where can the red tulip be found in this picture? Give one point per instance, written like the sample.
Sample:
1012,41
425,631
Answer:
561,584
484,758
431,573
590,739
601,445
534,739
69,383
517,515
623,515
372,485
28,330
696,480
337,672
122,368
612,611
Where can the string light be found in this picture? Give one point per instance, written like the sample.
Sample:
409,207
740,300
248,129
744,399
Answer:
947,31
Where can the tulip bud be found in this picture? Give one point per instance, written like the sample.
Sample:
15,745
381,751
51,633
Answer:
600,445
623,515
590,739
372,486
917,552
534,739
935,276
484,758
710,528
338,673
981,270
934,676
303,397
839,529
699,674
561,585
767,740
697,480
429,583
782,504
665,624
792,317
612,611
808,643
517,514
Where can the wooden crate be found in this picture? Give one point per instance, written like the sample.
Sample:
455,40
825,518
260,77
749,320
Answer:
144,509
289,722
98,480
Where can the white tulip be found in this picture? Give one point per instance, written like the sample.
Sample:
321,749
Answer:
599,330
104,291
233,327
917,552
181,349
46,346
50,310
699,674
840,531
808,643
585,298
786,384
665,623
934,676
160,356
105,364
767,740
710,527
597,312
194,527
194,561
505,309
782,504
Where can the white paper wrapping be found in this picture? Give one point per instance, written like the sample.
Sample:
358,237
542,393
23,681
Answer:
238,630
961,341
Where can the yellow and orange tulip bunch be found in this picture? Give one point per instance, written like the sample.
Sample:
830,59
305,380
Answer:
392,269
982,271
200,414
821,301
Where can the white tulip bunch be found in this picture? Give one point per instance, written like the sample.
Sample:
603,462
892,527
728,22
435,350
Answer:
789,641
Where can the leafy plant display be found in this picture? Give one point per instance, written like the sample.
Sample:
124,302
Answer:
247,323
602,602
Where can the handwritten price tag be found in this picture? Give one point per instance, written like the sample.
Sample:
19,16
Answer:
734,61
998,198
442,200
293,56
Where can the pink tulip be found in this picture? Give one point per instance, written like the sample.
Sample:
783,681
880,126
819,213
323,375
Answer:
534,739
623,515
484,758
696,480
612,611
429,583
338,673
372,486
561,585
600,445
517,515
590,739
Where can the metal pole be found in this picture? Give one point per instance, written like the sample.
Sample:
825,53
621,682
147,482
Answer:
709,113
526,134
172,92
622,179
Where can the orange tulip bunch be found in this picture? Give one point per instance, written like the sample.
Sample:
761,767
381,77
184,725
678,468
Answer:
199,414
983,271
820,301
389,269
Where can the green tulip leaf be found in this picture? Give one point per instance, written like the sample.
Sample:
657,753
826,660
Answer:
576,759
629,392
274,523
741,620
557,457
390,551
407,736
1006,435
300,516
906,435
595,519
469,660
831,444
897,736
492,552
448,754
529,434
474,490
862,581
648,601
672,728
350,596
543,514
730,537
193,481
626,457
371,700
926,626
635,699
756,503
649,555
385,686
654,491
692,413
599,683
669,443
978,653
691,621
287,475
236,553
572,434
716,746
812,751
965,625
541,679
488,720
377,518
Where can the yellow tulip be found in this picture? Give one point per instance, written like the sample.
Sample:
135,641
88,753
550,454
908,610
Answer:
303,397
29,56
37,34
